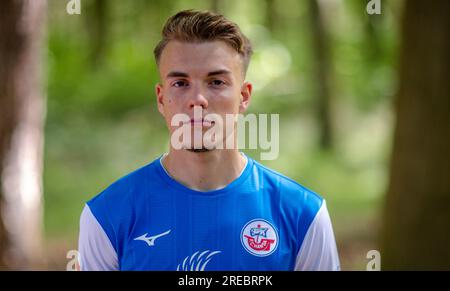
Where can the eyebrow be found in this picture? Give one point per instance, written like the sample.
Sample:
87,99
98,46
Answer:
219,72
177,74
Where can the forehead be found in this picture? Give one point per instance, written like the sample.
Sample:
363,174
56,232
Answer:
199,58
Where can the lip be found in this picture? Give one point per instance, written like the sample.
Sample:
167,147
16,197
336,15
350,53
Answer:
202,122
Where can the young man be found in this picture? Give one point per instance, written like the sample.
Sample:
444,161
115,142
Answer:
200,207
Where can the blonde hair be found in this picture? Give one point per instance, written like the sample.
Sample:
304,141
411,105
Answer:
201,26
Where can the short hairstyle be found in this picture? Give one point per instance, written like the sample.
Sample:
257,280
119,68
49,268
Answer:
202,26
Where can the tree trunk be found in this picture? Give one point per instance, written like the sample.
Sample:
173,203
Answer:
216,6
416,231
22,113
322,70
271,15
372,34
97,24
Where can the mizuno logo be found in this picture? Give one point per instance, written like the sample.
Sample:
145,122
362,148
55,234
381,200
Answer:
151,239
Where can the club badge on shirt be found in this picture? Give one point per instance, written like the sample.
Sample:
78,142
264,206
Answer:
259,237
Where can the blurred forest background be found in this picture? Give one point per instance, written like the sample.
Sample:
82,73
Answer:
363,103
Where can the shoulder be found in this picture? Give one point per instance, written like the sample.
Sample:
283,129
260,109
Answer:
288,190
113,207
296,203
122,190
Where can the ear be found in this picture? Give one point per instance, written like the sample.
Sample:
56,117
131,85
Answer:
246,94
160,98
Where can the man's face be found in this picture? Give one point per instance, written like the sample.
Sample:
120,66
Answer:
207,75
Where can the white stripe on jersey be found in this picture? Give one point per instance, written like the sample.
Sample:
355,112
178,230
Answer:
318,251
96,252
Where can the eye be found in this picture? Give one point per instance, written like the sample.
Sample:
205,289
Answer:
180,83
217,83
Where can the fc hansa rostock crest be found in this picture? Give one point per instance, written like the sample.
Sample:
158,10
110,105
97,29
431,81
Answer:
259,237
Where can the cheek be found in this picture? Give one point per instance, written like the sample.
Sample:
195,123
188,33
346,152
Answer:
171,108
171,102
230,97
236,99
174,97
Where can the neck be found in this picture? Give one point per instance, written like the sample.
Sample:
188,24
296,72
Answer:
204,171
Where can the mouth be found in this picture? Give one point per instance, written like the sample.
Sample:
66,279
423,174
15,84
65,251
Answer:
201,122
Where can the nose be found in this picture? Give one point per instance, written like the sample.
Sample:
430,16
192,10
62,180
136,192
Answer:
198,99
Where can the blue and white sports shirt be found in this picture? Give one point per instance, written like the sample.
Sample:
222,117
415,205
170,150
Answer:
262,221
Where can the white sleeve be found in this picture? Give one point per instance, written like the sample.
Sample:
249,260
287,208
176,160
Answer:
96,252
318,251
